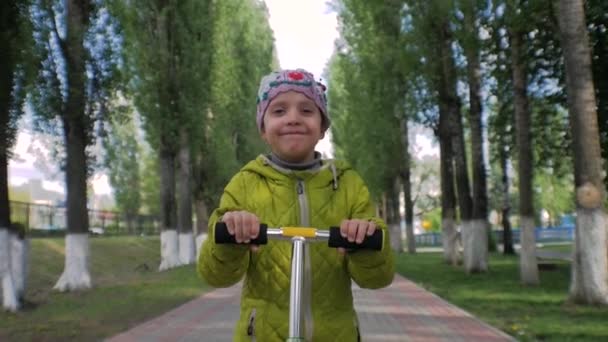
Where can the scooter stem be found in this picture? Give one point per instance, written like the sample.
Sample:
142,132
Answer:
295,296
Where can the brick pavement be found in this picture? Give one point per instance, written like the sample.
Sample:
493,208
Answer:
401,312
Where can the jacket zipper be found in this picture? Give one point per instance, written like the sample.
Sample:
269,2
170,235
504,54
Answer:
303,203
250,326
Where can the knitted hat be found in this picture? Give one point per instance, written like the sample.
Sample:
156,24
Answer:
299,80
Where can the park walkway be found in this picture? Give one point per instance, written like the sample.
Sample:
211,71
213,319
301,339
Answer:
402,311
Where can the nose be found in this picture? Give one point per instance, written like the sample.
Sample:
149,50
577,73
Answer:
293,116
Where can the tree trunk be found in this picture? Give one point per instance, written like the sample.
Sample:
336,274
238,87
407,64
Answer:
394,224
10,291
200,202
589,282
474,237
407,189
13,246
76,135
449,99
202,216
20,259
599,70
528,262
9,296
168,148
202,221
184,193
506,203
131,217
168,211
480,198
384,208
449,235
6,86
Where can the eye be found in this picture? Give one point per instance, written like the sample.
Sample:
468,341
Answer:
307,110
278,111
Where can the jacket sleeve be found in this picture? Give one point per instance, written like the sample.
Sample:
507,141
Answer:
370,269
224,265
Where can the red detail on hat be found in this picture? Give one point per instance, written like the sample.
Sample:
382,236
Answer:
296,75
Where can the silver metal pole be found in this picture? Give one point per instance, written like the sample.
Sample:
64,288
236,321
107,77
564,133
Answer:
295,296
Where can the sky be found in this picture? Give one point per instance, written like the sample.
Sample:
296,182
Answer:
304,31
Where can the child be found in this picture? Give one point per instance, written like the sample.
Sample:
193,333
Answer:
292,186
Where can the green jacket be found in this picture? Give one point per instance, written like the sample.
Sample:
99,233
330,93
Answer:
282,197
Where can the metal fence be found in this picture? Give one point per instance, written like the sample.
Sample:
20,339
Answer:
551,234
42,219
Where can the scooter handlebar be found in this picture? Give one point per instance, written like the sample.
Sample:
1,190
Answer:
372,242
222,236
334,238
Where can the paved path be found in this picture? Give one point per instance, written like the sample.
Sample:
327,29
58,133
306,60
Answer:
401,312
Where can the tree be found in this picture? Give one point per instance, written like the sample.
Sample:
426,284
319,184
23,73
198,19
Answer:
597,24
449,235
475,250
14,68
154,33
241,45
76,135
370,86
548,125
193,51
500,158
589,283
122,162
472,47
189,87
407,188
150,178
528,264
77,51
436,16
434,94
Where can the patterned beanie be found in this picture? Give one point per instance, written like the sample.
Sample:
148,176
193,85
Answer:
299,80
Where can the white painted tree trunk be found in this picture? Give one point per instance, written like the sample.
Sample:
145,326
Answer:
395,237
589,266
19,263
475,246
10,301
75,274
169,250
449,240
200,238
410,238
528,265
187,249
590,262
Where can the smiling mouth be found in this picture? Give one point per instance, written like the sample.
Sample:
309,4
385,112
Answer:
293,133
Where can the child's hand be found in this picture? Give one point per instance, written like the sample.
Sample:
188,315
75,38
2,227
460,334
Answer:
243,225
356,231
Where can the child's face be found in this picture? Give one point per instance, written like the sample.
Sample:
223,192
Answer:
292,127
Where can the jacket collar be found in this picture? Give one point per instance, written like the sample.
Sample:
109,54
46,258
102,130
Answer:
329,171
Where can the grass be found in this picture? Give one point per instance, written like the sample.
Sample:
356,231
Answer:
529,313
127,290
558,247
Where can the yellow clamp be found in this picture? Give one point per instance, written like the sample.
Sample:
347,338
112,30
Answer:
299,231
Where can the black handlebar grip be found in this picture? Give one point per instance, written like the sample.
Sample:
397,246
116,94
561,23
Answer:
222,236
372,242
